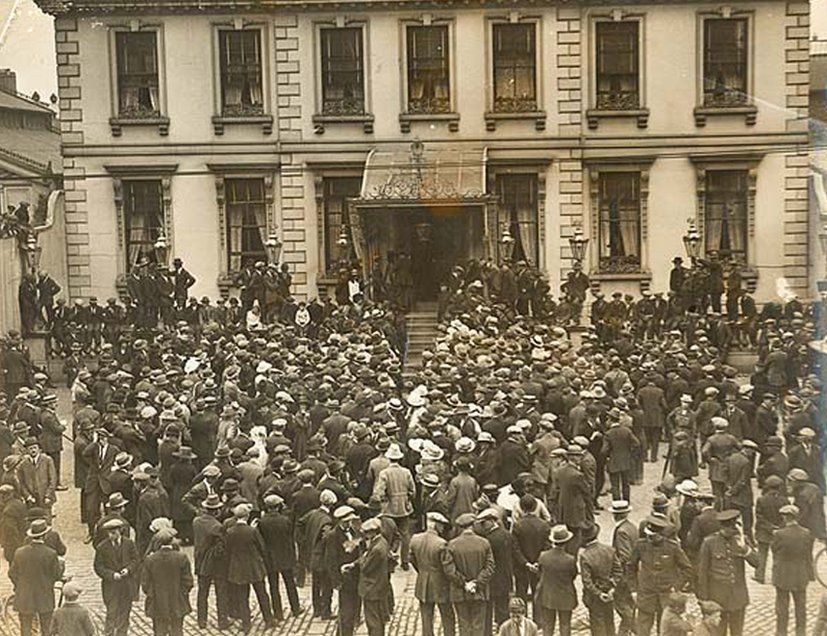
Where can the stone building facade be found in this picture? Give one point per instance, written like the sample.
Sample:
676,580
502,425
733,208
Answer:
434,130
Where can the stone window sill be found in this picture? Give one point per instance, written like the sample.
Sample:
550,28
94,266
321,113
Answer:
538,116
321,121
405,120
594,115
609,276
265,121
116,124
749,112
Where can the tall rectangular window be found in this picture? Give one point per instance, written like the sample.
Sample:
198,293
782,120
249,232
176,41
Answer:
337,190
725,214
143,216
241,73
618,65
137,60
429,71
519,212
343,79
619,221
515,62
246,222
725,62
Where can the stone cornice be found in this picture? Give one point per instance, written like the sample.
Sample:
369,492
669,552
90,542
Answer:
98,7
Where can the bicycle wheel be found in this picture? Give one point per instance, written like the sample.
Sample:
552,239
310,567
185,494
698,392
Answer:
820,566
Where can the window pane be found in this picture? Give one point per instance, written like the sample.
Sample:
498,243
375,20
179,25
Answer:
246,222
726,211
617,65
137,74
343,90
143,215
725,62
619,221
518,211
336,192
514,68
240,56
429,85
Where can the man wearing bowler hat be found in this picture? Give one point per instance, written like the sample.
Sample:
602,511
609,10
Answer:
556,597
721,571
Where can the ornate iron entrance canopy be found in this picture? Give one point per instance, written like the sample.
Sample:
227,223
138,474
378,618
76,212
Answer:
423,177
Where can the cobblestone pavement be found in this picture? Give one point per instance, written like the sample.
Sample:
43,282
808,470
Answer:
760,617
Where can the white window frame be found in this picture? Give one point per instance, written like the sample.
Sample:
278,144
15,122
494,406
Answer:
116,122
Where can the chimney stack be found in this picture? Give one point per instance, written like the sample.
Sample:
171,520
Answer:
8,80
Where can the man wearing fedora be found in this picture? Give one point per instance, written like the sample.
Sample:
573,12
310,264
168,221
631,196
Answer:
396,490
115,509
36,476
573,495
209,558
556,597
34,570
51,433
117,564
276,529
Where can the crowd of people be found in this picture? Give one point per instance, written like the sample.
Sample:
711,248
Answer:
289,452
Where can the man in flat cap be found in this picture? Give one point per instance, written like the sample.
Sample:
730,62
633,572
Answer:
792,570
374,577
276,528
343,548
721,571
432,586
247,567
117,564
468,561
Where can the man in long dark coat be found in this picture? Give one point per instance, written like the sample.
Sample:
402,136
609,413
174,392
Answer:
431,583
116,563
34,571
247,567
166,578
210,560
276,529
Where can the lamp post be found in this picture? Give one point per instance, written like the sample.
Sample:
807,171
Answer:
161,248
273,247
508,244
578,244
33,252
692,242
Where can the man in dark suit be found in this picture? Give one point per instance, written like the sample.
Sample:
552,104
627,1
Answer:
573,496
182,280
530,538
624,538
619,446
721,575
36,476
806,455
247,567
601,572
468,561
342,547
276,529
374,577
792,570
556,596
210,561
166,578
100,458
502,581
311,529
117,564
34,571
431,583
